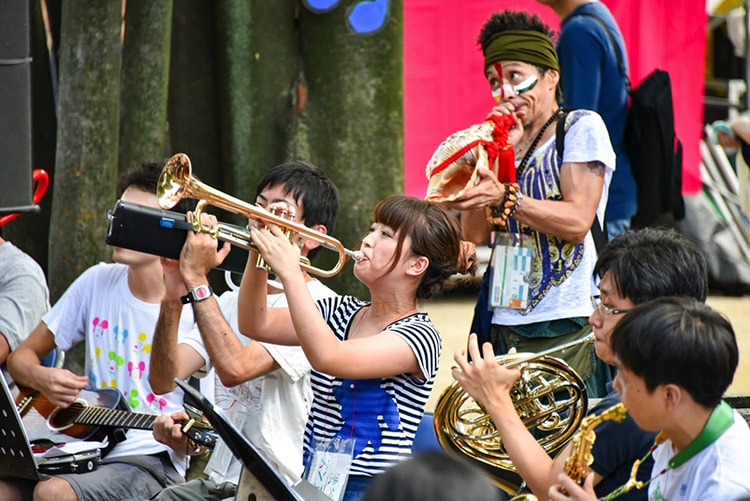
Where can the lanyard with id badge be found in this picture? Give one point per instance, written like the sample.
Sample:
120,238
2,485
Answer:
513,254
328,470
330,462
512,263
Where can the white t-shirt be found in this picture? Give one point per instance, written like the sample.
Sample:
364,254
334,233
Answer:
270,410
118,328
720,471
586,140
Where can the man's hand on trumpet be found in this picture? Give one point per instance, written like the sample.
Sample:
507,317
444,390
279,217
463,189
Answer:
200,253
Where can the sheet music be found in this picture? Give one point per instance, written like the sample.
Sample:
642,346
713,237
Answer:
70,448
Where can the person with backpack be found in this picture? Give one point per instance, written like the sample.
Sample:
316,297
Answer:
591,78
546,220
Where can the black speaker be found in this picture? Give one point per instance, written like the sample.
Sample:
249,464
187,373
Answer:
159,232
15,108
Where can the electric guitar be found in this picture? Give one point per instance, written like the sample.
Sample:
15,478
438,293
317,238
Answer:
93,417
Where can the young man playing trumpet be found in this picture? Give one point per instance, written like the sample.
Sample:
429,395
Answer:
634,268
264,388
675,359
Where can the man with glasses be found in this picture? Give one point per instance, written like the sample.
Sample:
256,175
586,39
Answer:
634,268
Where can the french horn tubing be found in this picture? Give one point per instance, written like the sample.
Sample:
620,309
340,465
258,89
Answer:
176,182
550,399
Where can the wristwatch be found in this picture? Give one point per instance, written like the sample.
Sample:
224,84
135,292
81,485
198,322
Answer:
200,293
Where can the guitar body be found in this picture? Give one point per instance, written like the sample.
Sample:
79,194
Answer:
44,420
96,415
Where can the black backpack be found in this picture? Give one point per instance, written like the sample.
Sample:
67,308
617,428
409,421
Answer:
655,151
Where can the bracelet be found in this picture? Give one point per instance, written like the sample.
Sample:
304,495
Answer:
516,204
498,215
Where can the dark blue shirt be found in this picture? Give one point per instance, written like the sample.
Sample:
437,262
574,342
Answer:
616,448
591,79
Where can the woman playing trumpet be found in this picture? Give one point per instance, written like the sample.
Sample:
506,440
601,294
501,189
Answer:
374,363
556,202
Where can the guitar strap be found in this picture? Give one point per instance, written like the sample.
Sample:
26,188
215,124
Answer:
189,402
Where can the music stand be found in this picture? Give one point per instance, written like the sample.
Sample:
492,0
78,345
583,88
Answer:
16,458
275,486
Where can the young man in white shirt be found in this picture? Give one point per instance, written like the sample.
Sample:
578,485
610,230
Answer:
112,308
264,388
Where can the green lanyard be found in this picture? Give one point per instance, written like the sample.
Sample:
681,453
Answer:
720,420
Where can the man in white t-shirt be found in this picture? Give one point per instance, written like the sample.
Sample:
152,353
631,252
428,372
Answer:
264,388
113,309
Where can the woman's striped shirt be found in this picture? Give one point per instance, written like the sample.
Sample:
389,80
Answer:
381,414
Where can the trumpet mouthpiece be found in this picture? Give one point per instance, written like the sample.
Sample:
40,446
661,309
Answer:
355,255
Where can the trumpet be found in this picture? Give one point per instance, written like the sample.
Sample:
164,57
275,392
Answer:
177,181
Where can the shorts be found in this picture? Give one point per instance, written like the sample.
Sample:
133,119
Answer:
198,489
130,478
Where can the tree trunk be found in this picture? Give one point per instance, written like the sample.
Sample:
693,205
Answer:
145,82
354,116
193,89
86,160
258,60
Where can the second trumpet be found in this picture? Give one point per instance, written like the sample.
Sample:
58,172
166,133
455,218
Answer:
177,182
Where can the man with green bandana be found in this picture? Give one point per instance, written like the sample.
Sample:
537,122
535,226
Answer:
541,226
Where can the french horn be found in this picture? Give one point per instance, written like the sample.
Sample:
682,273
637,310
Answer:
550,398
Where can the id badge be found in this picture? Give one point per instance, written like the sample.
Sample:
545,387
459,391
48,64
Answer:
512,264
328,470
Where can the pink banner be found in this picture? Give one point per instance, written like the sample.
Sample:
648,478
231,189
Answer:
445,91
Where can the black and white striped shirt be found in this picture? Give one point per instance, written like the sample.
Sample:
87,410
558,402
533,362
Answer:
381,414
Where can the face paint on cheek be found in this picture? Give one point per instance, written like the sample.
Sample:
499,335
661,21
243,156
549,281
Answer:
526,85
506,91
498,94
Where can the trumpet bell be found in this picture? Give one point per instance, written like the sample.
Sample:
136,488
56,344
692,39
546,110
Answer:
550,399
173,181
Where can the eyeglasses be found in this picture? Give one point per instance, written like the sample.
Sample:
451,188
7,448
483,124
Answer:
596,302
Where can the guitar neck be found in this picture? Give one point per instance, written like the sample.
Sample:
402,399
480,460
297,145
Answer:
98,416
94,410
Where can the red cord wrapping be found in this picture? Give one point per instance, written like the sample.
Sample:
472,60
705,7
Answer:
500,149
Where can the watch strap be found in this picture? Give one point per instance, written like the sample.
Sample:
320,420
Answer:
199,293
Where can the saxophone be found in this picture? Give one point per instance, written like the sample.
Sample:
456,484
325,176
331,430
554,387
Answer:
577,464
